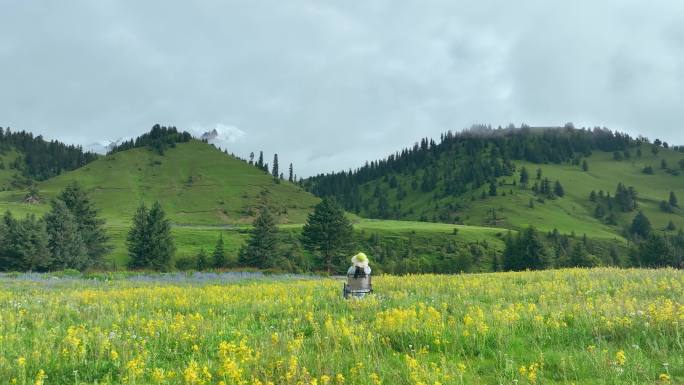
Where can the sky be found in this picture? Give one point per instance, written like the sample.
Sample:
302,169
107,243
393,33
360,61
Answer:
330,84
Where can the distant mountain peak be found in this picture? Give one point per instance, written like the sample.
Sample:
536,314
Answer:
210,135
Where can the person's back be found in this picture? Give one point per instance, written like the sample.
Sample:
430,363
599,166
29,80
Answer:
358,277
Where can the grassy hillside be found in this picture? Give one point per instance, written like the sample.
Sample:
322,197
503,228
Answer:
449,182
195,182
574,211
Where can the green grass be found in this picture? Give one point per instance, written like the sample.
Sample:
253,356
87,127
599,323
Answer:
577,326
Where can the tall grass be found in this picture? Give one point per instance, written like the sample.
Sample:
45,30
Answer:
602,326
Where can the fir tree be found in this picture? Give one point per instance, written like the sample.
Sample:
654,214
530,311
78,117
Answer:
260,162
492,188
138,239
641,226
558,189
66,245
585,165
327,233
673,199
219,255
150,244
671,226
162,247
525,251
579,257
202,260
23,244
262,246
90,226
524,177
654,251
275,172
290,176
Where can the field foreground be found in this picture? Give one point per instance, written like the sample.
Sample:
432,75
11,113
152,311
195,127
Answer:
602,326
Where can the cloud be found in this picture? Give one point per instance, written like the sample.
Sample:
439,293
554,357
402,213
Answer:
223,136
328,85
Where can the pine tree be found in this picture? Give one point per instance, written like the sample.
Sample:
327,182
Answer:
34,245
492,188
162,247
524,177
673,199
10,260
579,257
327,233
275,172
525,251
641,226
290,177
558,189
260,162
23,244
533,250
138,239
150,244
66,245
261,248
219,255
202,261
585,165
654,251
90,227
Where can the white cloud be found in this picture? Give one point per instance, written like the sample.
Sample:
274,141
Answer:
329,84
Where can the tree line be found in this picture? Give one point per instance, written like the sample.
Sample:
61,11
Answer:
40,159
160,138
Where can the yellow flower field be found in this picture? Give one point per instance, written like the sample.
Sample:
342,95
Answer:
602,326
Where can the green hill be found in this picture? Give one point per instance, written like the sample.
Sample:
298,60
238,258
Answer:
196,183
450,181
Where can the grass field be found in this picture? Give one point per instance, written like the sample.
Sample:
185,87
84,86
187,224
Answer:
602,326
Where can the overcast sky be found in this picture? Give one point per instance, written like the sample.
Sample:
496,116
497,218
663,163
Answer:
330,84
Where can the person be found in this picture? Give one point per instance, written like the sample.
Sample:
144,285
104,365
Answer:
359,266
358,278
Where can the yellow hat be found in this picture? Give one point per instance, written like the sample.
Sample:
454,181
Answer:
360,259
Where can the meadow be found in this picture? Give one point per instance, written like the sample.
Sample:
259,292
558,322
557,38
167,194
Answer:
600,326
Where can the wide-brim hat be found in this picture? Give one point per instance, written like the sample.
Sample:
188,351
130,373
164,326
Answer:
360,260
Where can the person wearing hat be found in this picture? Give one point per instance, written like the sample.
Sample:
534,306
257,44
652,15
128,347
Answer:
359,266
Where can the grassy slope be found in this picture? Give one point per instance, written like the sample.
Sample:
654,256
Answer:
195,182
572,213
